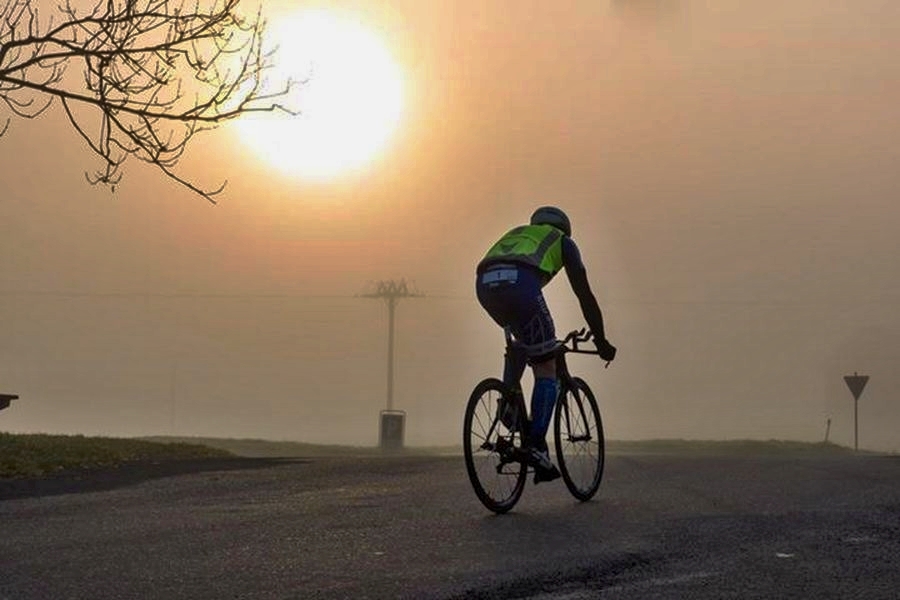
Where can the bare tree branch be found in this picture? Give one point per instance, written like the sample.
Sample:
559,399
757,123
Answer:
154,73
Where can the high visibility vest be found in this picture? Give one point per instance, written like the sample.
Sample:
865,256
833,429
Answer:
536,245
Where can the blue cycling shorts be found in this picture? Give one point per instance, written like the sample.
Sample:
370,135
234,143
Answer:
512,296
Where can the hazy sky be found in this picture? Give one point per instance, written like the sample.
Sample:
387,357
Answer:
730,169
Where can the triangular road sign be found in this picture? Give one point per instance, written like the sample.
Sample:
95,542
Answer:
856,383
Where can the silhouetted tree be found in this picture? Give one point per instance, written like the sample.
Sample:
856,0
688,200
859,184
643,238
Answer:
153,74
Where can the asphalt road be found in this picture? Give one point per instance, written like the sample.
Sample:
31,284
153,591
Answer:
662,527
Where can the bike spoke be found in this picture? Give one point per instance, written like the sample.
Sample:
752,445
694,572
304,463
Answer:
579,440
498,482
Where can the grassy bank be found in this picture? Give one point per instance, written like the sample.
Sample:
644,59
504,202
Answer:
42,455
268,448
39,455
724,447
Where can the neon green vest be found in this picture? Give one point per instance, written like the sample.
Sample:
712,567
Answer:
536,245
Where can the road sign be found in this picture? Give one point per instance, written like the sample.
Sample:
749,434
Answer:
856,383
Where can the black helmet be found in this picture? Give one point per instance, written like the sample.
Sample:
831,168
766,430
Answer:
550,215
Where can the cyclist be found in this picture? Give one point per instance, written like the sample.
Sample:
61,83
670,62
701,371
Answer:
509,284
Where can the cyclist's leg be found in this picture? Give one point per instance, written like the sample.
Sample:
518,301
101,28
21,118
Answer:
538,334
501,298
512,405
543,400
519,305
514,362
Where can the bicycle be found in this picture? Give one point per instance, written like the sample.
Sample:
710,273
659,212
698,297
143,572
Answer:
493,446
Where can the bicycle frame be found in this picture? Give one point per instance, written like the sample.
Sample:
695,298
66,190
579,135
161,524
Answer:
498,460
514,367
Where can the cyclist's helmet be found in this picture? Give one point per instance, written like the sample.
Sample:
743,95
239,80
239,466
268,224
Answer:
550,215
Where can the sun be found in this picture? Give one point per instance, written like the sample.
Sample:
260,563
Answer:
349,100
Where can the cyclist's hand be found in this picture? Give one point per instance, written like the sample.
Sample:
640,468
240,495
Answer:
606,350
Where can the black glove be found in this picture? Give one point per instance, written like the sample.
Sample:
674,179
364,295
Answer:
606,350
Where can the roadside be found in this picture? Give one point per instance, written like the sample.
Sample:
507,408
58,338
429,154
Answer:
38,464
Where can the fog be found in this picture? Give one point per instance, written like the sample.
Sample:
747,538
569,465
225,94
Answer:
730,169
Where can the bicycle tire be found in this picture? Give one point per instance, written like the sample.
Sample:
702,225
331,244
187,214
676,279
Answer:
580,445
488,446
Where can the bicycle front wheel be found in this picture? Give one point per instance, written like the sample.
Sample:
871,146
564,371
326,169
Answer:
490,449
578,431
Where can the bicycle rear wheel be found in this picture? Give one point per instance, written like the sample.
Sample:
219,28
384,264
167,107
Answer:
491,448
578,431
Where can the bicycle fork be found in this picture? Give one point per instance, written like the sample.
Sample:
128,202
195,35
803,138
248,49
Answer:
586,436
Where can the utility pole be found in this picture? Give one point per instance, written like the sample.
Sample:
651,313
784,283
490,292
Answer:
391,291
392,425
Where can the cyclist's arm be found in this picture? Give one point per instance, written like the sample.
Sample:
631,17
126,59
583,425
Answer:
577,275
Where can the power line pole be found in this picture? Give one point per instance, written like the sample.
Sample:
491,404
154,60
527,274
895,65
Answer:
391,291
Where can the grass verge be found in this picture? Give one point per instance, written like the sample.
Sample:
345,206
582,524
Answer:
257,448
725,447
38,455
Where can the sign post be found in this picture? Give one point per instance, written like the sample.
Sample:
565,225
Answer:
857,384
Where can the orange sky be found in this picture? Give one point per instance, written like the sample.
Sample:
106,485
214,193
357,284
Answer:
731,174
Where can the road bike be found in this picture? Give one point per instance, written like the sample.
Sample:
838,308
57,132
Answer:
496,422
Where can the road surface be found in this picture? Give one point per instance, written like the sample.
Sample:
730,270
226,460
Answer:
663,526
